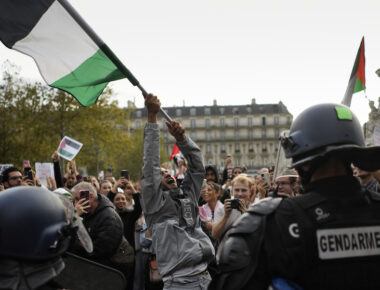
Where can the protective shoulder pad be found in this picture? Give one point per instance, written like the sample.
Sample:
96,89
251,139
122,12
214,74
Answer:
265,206
252,219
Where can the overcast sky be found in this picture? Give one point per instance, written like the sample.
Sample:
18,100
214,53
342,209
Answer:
192,52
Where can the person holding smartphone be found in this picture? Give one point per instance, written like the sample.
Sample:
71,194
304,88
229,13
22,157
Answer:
101,221
242,195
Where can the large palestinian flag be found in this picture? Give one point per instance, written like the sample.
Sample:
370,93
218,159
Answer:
357,79
69,54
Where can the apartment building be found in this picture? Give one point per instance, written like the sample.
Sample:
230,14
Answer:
249,133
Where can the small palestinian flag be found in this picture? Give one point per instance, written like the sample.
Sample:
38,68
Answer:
68,53
69,148
176,153
357,79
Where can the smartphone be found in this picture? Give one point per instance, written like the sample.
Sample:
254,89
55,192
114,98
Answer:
265,177
124,173
28,172
26,164
84,194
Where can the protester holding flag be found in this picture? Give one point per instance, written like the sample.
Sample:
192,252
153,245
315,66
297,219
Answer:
183,250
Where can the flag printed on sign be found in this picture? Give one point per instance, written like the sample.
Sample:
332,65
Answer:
357,79
68,53
69,148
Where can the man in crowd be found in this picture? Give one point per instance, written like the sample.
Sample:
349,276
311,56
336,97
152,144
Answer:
101,221
286,183
183,250
12,177
369,180
300,239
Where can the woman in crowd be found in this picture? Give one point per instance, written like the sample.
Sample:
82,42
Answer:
105,187
210,194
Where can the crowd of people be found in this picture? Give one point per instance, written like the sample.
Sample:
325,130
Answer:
204,228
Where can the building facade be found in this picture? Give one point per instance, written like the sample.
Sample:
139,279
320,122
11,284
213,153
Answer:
249,133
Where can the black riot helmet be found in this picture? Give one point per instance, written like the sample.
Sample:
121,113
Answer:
326,129
32,224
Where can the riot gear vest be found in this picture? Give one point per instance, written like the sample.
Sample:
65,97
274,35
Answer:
328,238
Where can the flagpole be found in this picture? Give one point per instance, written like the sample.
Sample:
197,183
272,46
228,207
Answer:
107,51
163,112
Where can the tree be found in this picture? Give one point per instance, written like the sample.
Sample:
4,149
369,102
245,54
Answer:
35,118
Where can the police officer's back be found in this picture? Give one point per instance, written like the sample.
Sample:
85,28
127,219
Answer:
328,238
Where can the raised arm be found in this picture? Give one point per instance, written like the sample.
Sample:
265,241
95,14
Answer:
151,195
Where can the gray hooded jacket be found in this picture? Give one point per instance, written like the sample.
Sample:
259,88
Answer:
181,247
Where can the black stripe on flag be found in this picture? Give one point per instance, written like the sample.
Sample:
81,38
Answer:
72,144
18,17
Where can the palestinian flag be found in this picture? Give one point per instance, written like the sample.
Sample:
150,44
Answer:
357,79
68,53
69,148
175,153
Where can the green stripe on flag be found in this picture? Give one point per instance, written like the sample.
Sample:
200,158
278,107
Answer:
88,81
65,153
359,86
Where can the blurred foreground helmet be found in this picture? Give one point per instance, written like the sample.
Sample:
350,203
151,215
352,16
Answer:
32,224
325,129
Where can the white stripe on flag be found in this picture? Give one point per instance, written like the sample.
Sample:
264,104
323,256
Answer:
55,40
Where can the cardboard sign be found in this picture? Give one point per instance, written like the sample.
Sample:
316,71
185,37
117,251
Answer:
44,170
4,166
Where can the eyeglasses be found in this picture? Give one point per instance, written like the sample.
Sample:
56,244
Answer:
282,183
15,177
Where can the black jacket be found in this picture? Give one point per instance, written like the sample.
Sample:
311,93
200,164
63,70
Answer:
129,219
105,229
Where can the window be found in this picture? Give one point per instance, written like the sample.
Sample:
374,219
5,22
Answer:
221,110
236,135
276,122
222,122
178,112
207,123
193,135
192,123
236,122
207,111
264,147
276,133
193,111
237,147
223,135
263,133
250,147
250,122
223,148
138,114
215,149
208,148
250,134
208,136
138,125
263,120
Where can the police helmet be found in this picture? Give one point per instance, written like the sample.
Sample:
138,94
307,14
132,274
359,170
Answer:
325,129
32,224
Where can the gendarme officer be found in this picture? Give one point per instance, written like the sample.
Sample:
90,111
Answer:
327,238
